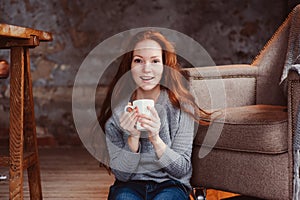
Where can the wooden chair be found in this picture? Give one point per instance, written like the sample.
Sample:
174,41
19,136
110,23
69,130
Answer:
23,151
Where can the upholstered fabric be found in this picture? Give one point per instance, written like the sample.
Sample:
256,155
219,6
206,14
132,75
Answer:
294,116
223,86
292,59
294,102
222,71
270,64
256,128
239,92
297,132
259,175
254,153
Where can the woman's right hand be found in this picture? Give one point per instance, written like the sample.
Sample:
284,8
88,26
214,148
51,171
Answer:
128,121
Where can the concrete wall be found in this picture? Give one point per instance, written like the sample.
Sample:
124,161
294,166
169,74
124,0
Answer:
232,31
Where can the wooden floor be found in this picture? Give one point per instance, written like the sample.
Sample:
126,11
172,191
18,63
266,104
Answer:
67,173
72,173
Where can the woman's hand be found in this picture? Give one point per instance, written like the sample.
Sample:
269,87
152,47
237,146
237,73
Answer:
128,121
152,124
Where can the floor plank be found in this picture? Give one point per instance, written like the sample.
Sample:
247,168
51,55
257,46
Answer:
67,173
72,173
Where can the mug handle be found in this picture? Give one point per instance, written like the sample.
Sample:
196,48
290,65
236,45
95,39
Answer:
128,106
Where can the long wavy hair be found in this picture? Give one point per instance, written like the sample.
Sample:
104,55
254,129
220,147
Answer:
173,79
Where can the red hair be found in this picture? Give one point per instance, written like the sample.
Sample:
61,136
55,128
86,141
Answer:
172,78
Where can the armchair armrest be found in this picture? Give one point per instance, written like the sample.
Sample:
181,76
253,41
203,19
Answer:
293,92
222,71
218,87
293,101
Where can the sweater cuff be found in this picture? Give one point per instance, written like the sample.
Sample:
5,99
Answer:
168,157
129,161
127,148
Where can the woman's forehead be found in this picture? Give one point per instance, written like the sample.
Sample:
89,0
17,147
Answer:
147,44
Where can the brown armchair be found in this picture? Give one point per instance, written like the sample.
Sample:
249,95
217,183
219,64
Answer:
248,149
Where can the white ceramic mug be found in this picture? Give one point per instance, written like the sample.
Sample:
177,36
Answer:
142,105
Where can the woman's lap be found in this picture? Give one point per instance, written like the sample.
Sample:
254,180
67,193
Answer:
172,193
123,193
140,190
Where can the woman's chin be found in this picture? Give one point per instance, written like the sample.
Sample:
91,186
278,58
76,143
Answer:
148,87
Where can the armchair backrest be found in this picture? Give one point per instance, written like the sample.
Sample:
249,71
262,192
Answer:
270,62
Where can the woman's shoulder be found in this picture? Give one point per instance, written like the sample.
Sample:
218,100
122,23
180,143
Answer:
164,103
164,100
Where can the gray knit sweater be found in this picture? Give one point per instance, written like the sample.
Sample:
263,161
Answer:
177,131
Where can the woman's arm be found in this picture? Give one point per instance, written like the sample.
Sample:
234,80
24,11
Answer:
123,161
176,159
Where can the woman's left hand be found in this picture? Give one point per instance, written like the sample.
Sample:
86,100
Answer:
151,122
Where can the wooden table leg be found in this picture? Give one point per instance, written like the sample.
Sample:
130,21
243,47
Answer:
22,136
23,150
30,134
16,123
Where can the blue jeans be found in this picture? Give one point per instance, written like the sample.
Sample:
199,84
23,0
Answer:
148,190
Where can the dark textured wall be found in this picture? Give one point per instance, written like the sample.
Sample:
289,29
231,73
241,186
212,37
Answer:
232,31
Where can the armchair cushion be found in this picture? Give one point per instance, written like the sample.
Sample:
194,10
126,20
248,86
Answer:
254,128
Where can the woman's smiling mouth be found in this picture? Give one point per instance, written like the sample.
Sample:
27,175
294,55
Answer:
146,78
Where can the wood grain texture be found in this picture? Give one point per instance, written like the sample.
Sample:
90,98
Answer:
23,153
30,139
16,123
7,30
69,174
6,43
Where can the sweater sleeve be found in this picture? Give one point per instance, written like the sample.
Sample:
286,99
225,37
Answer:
176,159
123,161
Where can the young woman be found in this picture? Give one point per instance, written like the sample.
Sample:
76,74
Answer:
155,164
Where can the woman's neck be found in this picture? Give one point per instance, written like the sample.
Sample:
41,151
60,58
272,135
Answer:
152,94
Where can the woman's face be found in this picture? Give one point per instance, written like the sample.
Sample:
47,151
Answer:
147,64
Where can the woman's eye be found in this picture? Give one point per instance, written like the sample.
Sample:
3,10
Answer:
156,61
137,60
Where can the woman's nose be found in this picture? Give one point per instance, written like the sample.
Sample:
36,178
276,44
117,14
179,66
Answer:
147,67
